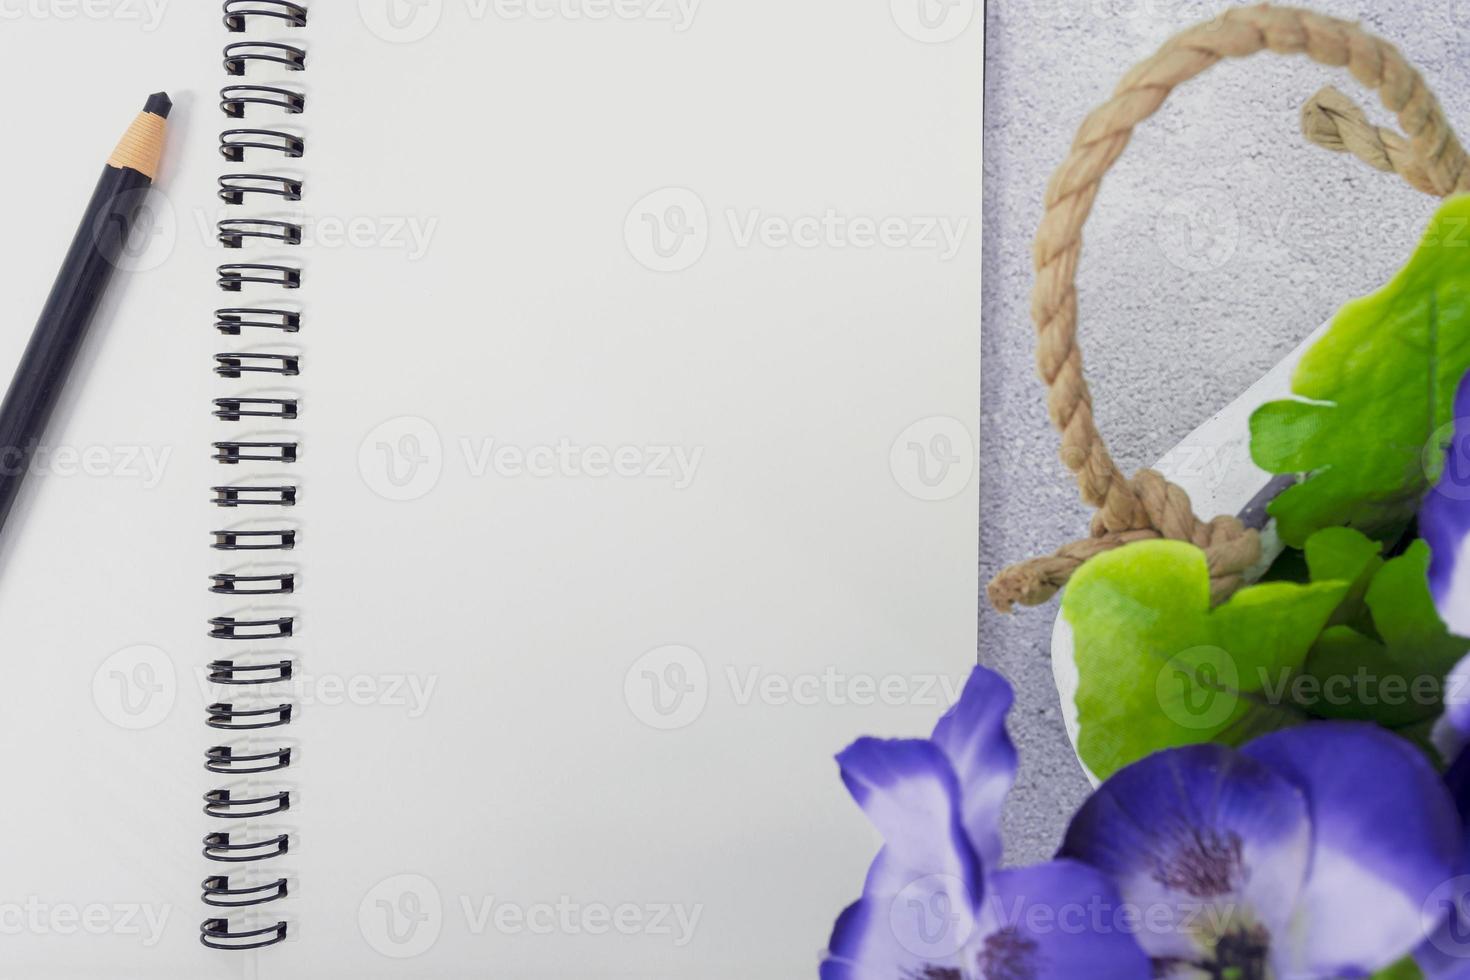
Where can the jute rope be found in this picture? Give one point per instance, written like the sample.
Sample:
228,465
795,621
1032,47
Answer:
1148,506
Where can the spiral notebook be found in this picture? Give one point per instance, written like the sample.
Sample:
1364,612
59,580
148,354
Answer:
525,445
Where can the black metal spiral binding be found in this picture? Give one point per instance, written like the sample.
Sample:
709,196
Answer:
241,53
218,846
249,675
224,583
235,365
230,628
216,934
284,496
235,409
232,319
252,675
219,892
223,804
234,275
234,98
233,453
283,540
234,187
237,10
227,717
234,231
234,142
223,760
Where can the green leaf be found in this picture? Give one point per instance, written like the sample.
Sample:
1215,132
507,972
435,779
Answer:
1372,394
1340,554
1159,668
1405,969
1392,672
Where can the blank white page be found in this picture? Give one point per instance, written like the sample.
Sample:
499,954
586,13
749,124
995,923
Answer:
639,435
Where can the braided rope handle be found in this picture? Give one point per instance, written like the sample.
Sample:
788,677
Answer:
1148,506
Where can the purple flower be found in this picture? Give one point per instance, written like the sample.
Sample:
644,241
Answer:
1311,852
1446,956
1444,521
936,905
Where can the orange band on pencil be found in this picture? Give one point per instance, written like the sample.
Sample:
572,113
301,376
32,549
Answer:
141,147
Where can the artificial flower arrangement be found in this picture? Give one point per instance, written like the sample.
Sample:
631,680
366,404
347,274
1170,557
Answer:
1281,745
1319,849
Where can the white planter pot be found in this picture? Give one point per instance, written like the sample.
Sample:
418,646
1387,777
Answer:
1213,464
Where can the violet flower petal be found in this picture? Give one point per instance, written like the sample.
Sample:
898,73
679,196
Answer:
909,792
865,946
1444,522
1385,836
973,735
1058,921
1210,845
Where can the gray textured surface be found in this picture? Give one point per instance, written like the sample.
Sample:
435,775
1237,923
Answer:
1219,241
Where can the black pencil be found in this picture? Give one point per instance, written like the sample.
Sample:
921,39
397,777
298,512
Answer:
74,298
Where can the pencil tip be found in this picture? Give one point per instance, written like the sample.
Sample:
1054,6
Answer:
159,104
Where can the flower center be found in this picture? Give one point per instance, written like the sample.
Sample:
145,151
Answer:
1206,864
935,973
1241,955
1007,955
